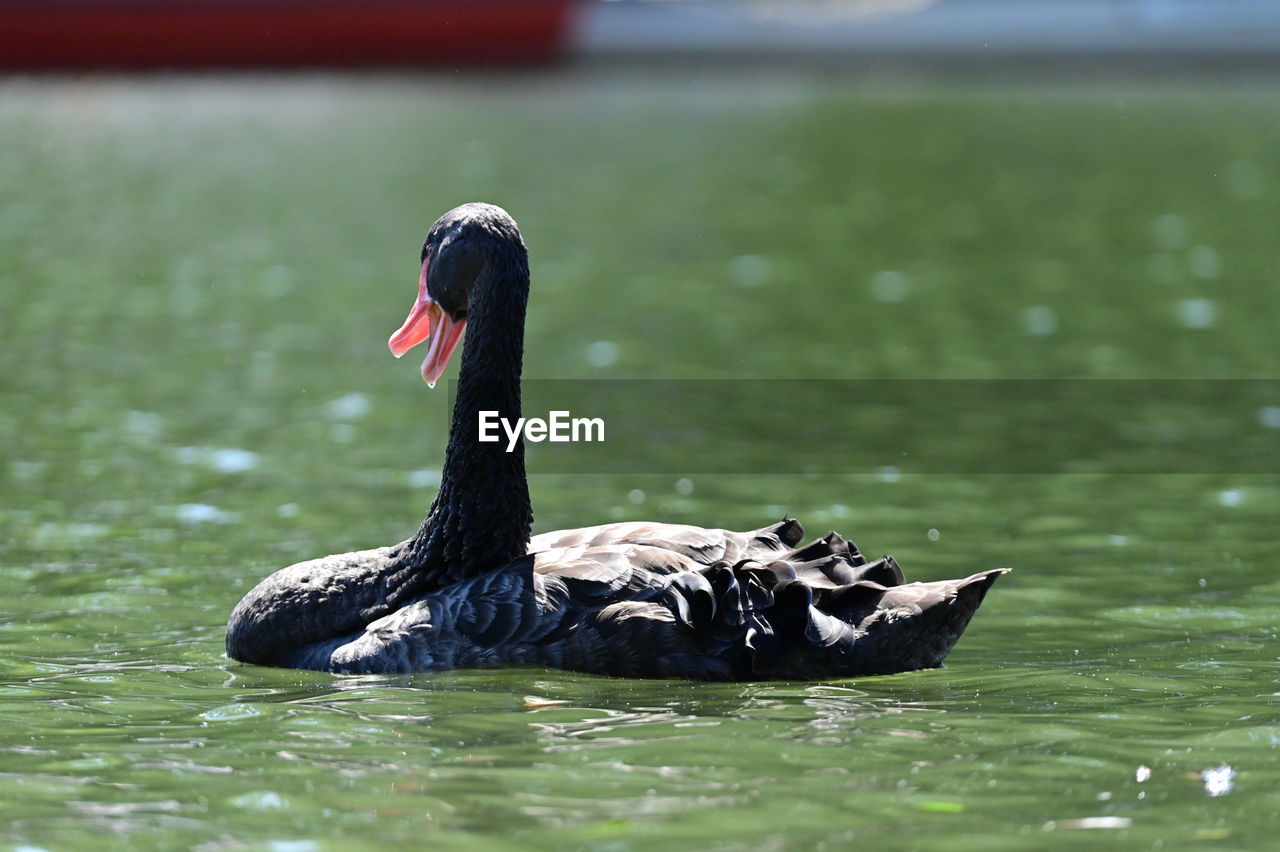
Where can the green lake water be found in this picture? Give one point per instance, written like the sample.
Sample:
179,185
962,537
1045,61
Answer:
197,280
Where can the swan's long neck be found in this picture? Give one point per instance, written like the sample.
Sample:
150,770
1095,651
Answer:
481,517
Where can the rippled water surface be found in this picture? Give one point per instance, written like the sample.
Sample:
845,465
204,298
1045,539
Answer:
196,283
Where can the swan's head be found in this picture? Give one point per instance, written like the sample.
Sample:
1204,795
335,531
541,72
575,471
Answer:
458,248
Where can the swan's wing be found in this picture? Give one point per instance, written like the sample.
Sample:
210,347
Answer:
644,610
821,610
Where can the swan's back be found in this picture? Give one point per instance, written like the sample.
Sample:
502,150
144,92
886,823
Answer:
702,545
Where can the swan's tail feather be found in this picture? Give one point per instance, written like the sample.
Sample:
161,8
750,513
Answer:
915,626
825,617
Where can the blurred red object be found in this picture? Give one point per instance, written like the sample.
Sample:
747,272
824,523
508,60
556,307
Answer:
135,34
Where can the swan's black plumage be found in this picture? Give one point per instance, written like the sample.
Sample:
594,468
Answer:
471,588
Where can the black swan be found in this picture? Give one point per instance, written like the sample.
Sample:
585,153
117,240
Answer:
471,588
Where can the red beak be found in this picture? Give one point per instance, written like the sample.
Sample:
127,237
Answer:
417,328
